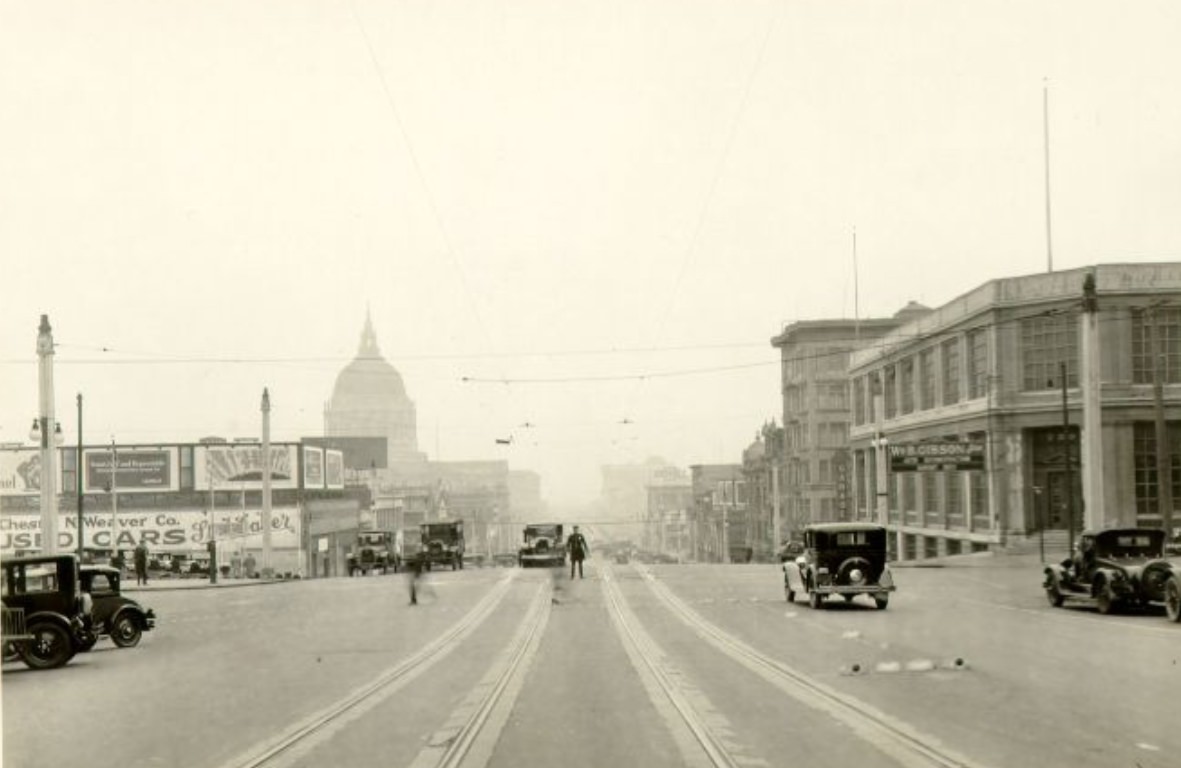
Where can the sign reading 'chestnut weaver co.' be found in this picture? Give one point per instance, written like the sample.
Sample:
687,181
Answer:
966,455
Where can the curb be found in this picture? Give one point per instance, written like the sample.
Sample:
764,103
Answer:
207,585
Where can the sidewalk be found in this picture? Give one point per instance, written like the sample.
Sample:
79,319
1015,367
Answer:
983,560
165,585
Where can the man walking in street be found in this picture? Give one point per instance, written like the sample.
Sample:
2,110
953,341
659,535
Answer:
579,551
141,564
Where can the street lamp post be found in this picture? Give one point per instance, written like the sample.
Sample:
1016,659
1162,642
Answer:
41,434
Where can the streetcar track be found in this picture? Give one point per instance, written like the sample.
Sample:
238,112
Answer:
710,743
490,701
894,737
305,732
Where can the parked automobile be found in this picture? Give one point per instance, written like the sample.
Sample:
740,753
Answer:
846,559
114,614
1117,567
46,614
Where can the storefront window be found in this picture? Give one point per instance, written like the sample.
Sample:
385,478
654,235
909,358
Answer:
1144,459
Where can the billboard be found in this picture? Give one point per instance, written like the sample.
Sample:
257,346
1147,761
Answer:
178,531
967,455
313,467
20,471
136,469
240,466
333,469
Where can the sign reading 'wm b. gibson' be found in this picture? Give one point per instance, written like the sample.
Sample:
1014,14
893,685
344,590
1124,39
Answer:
951,454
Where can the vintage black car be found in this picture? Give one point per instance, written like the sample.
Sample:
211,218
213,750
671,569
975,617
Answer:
46,614
114,614
442,544
1117,567
846,559
543,545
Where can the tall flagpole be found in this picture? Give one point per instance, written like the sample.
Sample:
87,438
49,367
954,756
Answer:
1046,154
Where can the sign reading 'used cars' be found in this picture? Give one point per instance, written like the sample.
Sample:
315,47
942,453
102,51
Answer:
952,454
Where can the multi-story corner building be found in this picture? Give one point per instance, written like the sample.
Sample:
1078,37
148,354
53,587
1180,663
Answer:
814,357
988,373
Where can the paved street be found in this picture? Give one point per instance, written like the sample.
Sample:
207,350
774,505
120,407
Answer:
635,665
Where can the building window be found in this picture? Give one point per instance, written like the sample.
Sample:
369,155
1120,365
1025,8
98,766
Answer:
1158,336
834,397
825,467
951,371
954,497
833,434
859,400
1144,461
979,489
977,363
1047,343
926,379
931,498
906,382
890,391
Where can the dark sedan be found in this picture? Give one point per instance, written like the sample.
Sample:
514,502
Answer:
115,614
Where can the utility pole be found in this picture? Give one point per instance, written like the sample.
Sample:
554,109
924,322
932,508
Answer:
265,514
78,474
1066,459
1155,344
1095,515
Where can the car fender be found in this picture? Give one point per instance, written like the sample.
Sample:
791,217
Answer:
886,580
137,614
52,616
793,578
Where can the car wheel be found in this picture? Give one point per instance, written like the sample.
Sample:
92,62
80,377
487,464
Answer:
126,632
10,652
815,599
1173,599
49,648
881,601
1053,593
1105,600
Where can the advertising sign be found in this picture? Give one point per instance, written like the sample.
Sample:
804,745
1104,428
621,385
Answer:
20,471
240,466
333,469
313,467
137,469
965,455
184,531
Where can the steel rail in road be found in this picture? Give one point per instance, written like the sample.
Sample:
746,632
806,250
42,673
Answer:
306,731
714,749
896,738
491,700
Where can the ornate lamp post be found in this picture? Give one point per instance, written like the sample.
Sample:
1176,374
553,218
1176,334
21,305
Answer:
40,434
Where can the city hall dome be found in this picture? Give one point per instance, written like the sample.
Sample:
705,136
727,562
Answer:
370,400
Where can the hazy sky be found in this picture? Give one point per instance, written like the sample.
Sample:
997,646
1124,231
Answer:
204,197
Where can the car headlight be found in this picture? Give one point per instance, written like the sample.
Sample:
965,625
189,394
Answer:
856,576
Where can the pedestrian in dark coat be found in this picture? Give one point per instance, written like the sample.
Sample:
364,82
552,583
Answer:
141,564
579,551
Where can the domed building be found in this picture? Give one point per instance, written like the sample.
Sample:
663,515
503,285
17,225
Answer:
370,400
